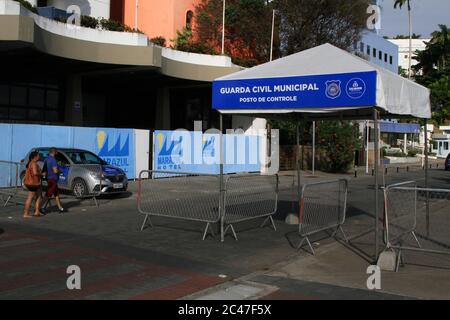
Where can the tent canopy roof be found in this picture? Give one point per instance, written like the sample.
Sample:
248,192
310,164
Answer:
394,94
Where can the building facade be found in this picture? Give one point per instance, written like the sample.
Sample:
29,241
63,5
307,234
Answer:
403,50
54,73
378,50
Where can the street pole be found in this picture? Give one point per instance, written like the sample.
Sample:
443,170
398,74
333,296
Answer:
410,40
136,15
223,27
271,38
314,149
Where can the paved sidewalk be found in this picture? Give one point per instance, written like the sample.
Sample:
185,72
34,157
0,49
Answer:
170,261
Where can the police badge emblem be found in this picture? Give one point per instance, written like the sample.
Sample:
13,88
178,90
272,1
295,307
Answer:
333,90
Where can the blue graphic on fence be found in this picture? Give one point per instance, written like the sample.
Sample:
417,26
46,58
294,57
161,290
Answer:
194,152
112,150
115,146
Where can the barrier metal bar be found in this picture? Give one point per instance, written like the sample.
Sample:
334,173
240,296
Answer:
9,180
406,214
250,197
323,206
402,218
185,196
426,174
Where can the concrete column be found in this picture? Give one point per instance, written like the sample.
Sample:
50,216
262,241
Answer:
74,101
163,109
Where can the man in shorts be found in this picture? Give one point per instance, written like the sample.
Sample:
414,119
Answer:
52,180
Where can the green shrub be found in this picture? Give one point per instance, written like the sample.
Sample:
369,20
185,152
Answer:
159,41
60,19
412,153
112,25
89,22
246,63
338,140
184,42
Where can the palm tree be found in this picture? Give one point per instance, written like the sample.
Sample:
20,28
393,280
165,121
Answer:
441,39
400,4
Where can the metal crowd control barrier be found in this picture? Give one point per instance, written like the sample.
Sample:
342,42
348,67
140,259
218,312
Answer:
249,197
10,183
323,206
198,197
184,196
416,219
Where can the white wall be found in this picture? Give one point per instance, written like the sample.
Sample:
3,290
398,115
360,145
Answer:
142,150
196,58
403,50
94,8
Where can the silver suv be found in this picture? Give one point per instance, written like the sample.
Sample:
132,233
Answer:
83,173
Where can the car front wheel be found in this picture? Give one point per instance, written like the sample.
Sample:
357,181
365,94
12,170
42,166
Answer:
79,188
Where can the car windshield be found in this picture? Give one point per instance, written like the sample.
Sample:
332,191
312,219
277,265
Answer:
84,157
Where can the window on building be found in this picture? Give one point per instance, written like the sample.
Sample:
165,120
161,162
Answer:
361,46
385,57
445,145
380,55
32,101
374,52
391,60
189,16
4,94
355,45
368,50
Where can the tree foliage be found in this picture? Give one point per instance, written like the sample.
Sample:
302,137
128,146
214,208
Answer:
247,27
299,25
306,24
433,71
339,140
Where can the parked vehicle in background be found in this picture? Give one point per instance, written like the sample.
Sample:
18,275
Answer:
80,175
447,163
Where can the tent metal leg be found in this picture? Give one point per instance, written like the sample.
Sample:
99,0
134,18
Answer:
297,160
427,215
376,184
222,191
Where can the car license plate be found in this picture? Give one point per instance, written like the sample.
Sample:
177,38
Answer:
118,185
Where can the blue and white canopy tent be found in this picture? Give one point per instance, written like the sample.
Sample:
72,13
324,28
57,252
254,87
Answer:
324,82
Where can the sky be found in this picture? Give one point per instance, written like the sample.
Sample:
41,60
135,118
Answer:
427,14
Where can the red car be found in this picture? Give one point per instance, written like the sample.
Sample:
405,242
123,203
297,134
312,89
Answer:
447,162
